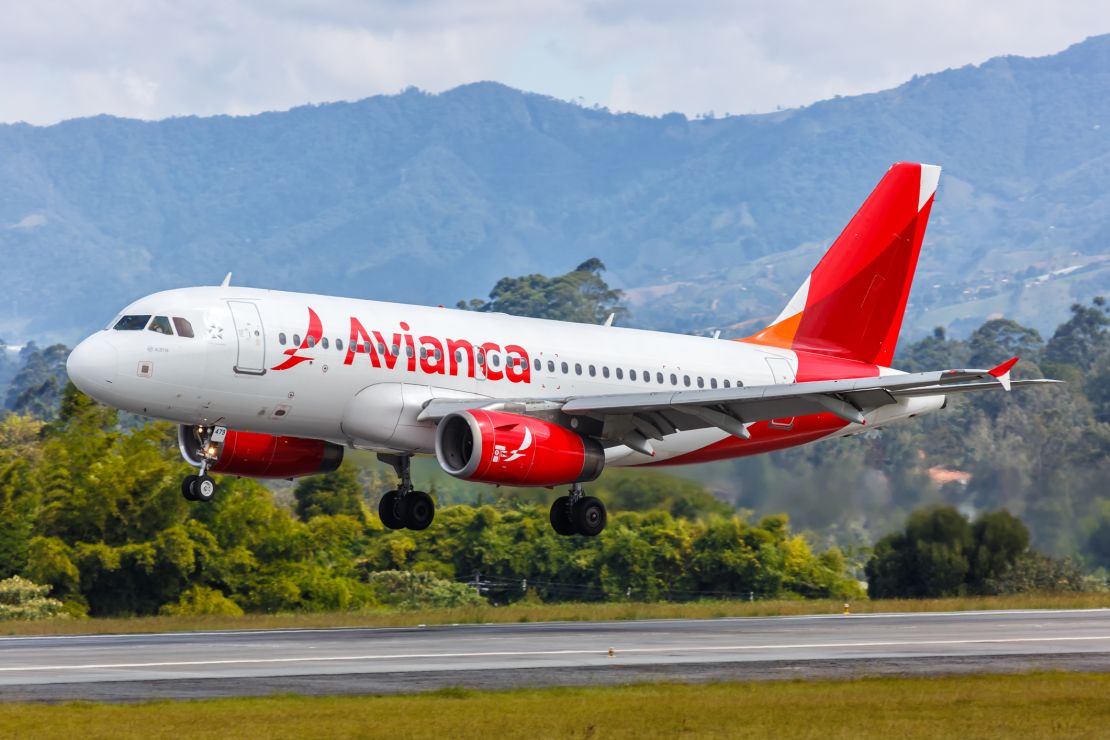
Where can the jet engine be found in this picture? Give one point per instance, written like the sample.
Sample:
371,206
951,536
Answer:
255,455
511,449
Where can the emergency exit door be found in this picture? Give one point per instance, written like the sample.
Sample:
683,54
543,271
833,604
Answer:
251,359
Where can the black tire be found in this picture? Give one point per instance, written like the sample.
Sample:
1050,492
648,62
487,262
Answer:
561,521
589,516
387,511
203,489
187,487
420,510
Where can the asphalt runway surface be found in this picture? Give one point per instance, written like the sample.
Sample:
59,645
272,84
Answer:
391,660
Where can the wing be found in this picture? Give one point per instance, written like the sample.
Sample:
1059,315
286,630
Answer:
633,419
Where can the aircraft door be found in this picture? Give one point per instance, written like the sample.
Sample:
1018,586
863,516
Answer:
251,359
783,374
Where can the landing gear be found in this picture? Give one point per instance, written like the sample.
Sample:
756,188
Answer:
578,514
201,487
405,508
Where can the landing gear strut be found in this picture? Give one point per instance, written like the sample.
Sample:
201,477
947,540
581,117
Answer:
201,487
405,508
578,514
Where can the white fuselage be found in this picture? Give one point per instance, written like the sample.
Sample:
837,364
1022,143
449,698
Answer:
250,366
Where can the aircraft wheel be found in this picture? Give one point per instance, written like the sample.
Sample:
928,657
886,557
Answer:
589,516
560,516
420,510
387,508
187,487
203,488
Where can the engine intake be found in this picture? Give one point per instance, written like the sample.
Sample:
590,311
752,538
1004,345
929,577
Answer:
254,455
511,449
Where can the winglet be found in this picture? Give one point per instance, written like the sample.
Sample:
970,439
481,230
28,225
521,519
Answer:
1002,372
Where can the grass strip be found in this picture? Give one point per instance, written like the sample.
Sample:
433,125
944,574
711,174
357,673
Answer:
1060,705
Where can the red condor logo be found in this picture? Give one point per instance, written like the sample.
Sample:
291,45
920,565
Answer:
312,337
435,356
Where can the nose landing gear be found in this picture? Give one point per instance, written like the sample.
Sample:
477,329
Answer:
578,514
405,508
201,487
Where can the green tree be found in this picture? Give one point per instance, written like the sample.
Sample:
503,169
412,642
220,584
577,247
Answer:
1000,339
338,492
37,388
1084,338
580,295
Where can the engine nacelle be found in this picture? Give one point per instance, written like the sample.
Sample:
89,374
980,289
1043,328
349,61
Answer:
515,450
254,455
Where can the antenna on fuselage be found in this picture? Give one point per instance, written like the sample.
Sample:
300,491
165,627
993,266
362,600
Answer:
717,334
609,321
227,281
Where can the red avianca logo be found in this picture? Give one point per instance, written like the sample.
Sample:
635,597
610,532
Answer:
312,337
454,357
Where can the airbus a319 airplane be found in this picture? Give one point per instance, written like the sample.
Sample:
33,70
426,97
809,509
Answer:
273,384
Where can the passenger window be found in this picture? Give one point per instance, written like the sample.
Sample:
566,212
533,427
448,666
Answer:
296,340
647,376
396,350
281,338
726,382
631,374
659,378
409,351
605,372
739,384
577,368
324,343
538,364
686,380
701,382
184,328
161,325
550,366
620,373
310,341
565,368
132,323
495,360
381,348
593,371
712,382
674,379
458,355
339,344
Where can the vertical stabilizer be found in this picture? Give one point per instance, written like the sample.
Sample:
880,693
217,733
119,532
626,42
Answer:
851,305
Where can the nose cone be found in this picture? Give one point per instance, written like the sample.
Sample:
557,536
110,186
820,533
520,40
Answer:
92,365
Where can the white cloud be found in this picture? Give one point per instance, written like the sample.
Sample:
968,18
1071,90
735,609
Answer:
155,58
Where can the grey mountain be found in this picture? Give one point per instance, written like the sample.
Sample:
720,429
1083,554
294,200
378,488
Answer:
432,198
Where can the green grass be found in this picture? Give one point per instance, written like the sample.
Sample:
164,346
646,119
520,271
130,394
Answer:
1059,705
550,613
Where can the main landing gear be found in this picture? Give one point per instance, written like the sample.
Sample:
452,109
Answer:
405,508
578,514
201,487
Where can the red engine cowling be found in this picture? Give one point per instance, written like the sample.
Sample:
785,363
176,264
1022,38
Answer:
511,449
254,455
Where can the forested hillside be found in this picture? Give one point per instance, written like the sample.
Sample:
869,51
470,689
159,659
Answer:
705,223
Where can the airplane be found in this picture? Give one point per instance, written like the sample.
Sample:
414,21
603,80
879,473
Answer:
272,384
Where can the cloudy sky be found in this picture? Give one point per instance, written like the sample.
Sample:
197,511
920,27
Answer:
155,58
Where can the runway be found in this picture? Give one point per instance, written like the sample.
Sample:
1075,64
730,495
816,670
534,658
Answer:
202,664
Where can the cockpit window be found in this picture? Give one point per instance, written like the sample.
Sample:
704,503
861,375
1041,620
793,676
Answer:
184,328
132,323
160,324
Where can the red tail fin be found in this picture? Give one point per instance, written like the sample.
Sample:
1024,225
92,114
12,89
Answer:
851,305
